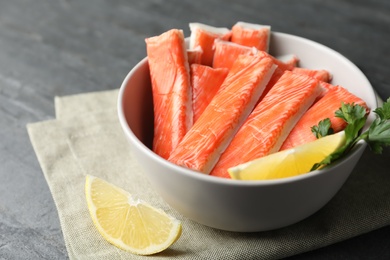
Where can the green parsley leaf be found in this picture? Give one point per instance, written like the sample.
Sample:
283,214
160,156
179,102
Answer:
323,129
377,136
350,112
384,111
379,131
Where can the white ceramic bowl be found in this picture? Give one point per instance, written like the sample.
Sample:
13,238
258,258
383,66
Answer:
235,205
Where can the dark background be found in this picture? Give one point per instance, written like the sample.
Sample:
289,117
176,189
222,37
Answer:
53,48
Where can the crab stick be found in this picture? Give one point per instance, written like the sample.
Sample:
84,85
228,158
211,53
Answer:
226,53
205,82
285,62
204,35
270,122
252,35
212,132
172,97
323,108
290,61
194,55
322,75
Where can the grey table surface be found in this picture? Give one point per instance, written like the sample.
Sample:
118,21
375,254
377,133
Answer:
53,48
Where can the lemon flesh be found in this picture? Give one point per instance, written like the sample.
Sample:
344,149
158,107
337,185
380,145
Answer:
287,163
129,224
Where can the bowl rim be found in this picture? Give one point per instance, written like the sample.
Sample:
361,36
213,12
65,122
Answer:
230,182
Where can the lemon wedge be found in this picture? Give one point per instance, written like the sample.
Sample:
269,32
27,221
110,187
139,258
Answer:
127,223
287,163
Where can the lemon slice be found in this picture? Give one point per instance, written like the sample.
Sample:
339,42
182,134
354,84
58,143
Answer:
129,224
287,163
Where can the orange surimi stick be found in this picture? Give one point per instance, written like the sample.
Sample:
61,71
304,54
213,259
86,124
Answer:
270,122
322,75
194,55
323,108
226,53
204,35
285,62
207,139
275,77
172,98
205,82
251,35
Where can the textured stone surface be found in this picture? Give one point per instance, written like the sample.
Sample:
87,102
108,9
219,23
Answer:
54,48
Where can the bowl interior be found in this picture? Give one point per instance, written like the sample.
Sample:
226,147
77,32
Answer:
135,106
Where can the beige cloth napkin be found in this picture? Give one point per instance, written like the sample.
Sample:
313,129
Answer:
86,138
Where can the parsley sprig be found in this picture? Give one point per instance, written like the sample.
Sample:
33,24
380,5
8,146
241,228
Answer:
377,136
323,129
